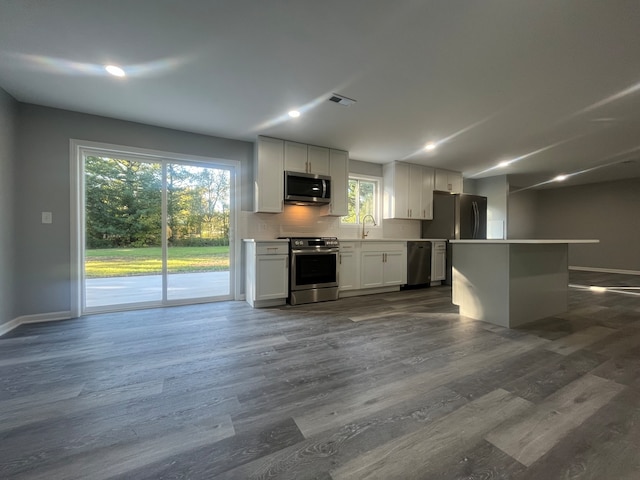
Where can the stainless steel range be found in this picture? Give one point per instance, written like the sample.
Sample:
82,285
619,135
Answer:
313,269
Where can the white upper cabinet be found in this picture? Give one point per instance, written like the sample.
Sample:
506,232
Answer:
448,181
427,193
339,172
396,190
295,157
318,160
268,182
299,157
408,191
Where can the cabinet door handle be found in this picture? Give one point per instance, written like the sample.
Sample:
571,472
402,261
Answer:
340,259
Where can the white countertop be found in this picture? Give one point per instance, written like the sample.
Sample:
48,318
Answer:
270,240
393,239
529,241
355,240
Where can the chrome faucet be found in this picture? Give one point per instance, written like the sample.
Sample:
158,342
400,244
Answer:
364,220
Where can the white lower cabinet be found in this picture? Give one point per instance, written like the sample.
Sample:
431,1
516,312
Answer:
438,261
349,266
372,269
383,264
395,267
267,273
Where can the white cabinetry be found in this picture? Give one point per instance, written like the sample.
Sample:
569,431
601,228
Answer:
438,261
274,156
269,175
448,181
318,160
383,264
349,273
339,171
426,193
408,191
299,157
267,273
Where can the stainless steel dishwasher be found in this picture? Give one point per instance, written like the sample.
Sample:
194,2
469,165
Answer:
418,263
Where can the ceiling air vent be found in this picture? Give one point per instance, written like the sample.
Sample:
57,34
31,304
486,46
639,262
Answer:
339,99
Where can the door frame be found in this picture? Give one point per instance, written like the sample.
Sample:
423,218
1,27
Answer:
77,149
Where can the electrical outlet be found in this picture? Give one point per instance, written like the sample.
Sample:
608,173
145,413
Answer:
47,217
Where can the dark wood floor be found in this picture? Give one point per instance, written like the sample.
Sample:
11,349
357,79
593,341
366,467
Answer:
394,386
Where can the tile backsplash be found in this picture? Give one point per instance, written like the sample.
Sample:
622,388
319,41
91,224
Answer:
298,221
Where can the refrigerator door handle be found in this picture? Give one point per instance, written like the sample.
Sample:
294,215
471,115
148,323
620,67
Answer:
476,213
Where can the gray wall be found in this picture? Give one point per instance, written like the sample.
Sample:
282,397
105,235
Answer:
607,211
43,174
521,214
8,112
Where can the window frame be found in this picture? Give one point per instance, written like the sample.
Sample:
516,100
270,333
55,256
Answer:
377,200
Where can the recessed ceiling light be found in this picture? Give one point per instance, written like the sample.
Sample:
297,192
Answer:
430,146
115,70
294,113
560,178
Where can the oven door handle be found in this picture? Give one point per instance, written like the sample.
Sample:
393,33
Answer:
331,251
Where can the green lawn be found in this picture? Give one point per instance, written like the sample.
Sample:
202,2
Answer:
124,262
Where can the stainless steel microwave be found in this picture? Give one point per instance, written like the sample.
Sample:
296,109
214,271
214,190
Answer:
306,188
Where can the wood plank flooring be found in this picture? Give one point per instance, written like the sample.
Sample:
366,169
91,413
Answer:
393,386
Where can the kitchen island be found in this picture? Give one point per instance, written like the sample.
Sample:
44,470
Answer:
511,282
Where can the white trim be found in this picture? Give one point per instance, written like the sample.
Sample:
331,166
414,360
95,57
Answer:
8,326
379,205
605,270
76,233
37,318
80,147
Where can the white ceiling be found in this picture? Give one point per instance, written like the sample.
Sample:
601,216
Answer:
554,83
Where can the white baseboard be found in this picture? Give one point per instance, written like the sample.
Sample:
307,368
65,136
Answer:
37,318
8,326
606,270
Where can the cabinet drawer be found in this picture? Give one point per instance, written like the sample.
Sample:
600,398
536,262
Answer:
348,246
383,246
439,246
272,248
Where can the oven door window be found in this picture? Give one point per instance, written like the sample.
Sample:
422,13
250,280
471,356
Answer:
315,269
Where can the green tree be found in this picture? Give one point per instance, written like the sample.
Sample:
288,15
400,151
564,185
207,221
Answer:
122,202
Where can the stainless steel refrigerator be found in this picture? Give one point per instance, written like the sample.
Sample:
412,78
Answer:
456,217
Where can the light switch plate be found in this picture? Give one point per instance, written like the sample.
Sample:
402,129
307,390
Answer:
47,217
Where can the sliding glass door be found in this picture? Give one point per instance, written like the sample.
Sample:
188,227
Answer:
197,231
156,232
